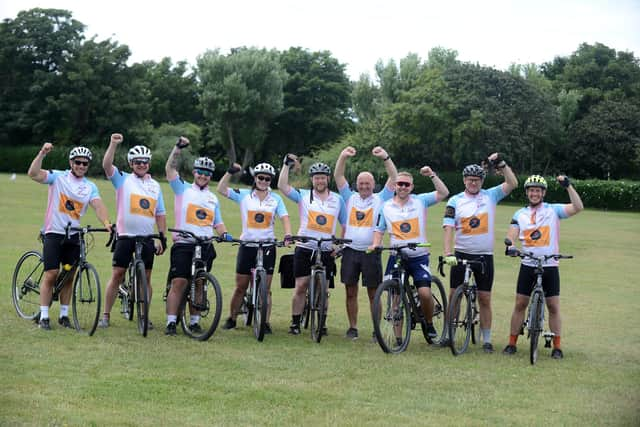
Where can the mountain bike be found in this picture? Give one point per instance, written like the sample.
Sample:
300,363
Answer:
86,297
534,321
397,307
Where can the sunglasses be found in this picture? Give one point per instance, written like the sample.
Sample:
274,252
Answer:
403,184
141,162
80,163
204,172
263,178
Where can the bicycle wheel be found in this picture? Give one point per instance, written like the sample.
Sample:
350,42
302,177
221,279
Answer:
262,304
439,298
200,315
535,324
459,321
127,295
304,317
142,298
86,299
391,317
319,289
247,307
25,286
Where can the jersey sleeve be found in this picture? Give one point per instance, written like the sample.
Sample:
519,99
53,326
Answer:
428,199
449,219
160,210
342,214
560,210
95,194
496,194
381,223
178,185
217,217
386,193
296,195
118,177
281,209
345,191
236,194
52,175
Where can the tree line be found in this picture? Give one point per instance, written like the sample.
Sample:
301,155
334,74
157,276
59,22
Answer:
578,114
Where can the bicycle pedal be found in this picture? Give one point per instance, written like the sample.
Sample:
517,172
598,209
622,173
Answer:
547,344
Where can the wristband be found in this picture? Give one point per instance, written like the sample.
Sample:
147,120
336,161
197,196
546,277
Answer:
180,144
501,165
432,176
232,170
386,158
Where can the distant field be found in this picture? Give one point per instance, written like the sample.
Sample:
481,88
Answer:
119,378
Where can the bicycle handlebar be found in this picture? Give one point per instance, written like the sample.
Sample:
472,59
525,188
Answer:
461,261
262,242
88,229
203,240
525,254
319,240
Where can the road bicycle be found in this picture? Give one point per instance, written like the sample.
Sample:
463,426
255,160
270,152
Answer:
202,297
86,297
534,321
463,312
397,308
317,296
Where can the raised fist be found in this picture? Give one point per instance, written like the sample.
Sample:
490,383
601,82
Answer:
426,171
47,147
380,152
116,138
348,152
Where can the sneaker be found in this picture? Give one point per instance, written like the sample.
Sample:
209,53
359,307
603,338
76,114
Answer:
352,333
324,331
195,328
556,353
103,323
510,349
294,329
398,341
431,332
229,324
267,329
44,324
64,322
150,326
487,347
445,342
171,329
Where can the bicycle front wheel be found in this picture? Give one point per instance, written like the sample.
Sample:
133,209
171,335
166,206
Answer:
439,299
200,310
86,300
535,325
391,317
25,286
142,298
460,321
319,307
261,306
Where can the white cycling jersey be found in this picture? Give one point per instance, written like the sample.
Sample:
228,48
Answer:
258,216
196,210
362,215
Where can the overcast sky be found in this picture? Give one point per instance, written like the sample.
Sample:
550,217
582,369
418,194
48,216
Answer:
358,33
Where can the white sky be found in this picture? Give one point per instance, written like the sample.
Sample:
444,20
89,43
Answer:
358,33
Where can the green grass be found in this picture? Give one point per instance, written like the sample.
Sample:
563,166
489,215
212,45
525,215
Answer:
119,378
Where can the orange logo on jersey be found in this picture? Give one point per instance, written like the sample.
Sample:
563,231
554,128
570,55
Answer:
358,218
406,229
70,207
142,205
199,216
477,224
320,221
259,219
539,237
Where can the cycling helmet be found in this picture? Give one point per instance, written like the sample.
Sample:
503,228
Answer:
263,168
473,170
139,152
535,181
80,152
204,163
319,169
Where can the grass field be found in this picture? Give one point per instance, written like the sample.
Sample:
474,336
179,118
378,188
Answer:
117,377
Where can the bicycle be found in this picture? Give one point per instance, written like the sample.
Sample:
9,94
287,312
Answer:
133,292
316,299
201,294
86,297
534,321
397,308
463,313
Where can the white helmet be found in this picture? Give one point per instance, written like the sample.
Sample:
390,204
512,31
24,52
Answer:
204,163
80,152
139,152
264,168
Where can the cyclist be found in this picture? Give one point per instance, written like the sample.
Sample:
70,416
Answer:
469,221
259,207
70,192
196,210
363,208
405,217
537,226
139,205
320,211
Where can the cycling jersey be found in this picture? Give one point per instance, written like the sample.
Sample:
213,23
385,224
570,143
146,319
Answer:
407,223
473,217
196,210
318,218
67,201
258,216
362,214
138,202
540,230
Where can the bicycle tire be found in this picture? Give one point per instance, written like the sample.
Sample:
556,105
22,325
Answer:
535,320
207,303
391,317
141,298
86,300
439,298
128,301
306,311
319,288
460,321
261,306
25,285
247,307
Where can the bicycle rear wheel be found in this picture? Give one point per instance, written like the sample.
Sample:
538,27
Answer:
460,322
319,289
25,286
141,298
261,306
439,298
200,314
86,299
391,317
535,324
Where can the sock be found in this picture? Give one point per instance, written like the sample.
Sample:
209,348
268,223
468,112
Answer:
486,335
64,311
295,319
513,339
194,319
556,341
106,316
44,311
171,318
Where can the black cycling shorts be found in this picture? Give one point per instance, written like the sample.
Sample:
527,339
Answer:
550,281
182,256
125,248
483,281
246,259
356,262
57,249
304,258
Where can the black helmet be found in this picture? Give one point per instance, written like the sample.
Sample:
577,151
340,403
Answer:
473,170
